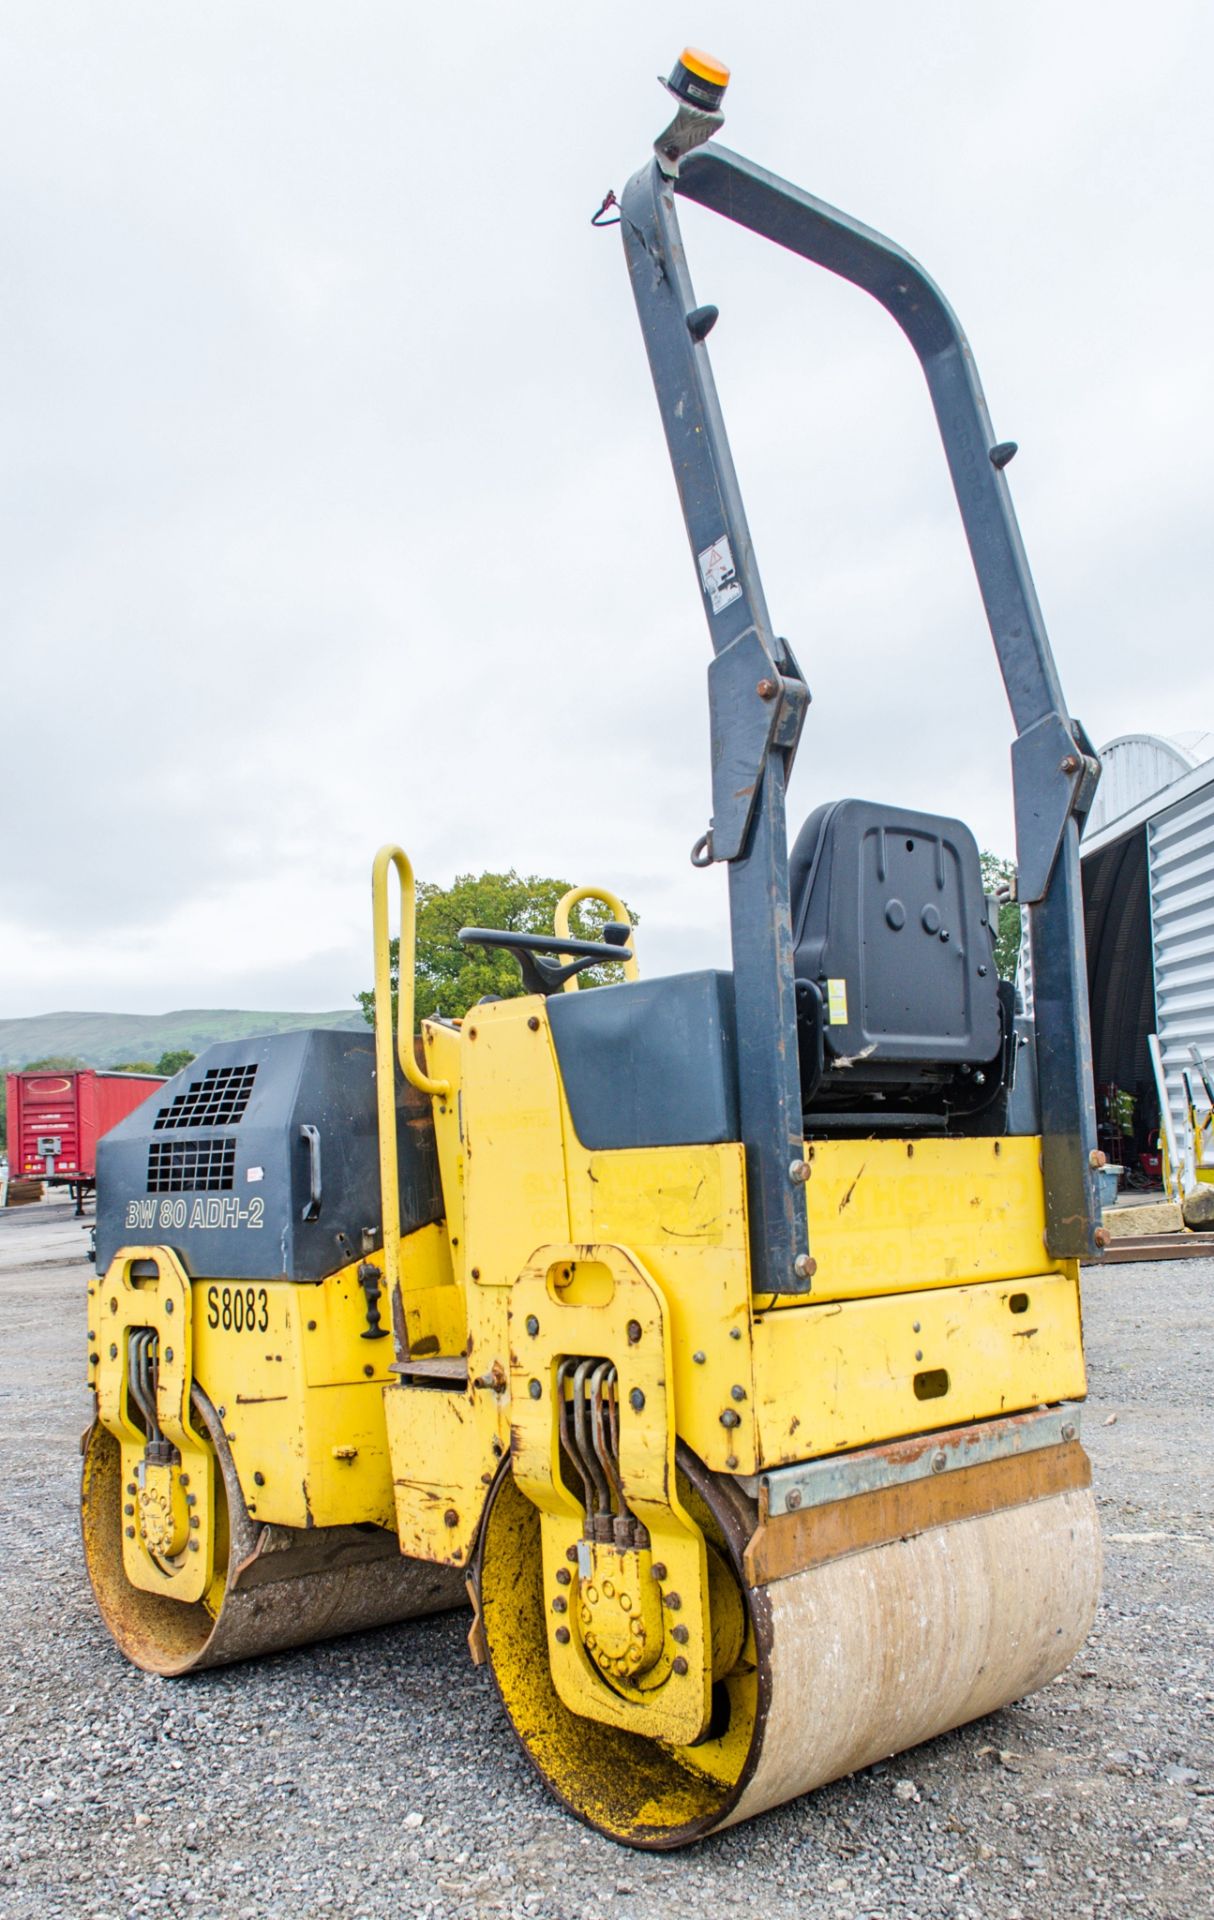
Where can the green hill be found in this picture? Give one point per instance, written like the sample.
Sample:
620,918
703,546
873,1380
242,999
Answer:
107,1039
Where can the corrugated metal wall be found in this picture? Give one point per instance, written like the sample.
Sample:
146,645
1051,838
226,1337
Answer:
1181,852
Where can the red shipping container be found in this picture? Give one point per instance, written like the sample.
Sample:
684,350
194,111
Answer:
56,1119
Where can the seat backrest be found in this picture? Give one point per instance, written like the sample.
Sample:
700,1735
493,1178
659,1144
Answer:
891,923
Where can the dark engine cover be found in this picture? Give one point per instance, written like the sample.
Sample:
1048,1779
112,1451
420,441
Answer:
221,1164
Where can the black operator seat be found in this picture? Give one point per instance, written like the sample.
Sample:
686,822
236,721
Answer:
898,998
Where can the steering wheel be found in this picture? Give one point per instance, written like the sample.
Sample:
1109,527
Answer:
540,975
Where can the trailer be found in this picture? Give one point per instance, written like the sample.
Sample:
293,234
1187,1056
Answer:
56,1119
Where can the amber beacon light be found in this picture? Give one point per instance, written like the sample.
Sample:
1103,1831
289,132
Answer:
698,79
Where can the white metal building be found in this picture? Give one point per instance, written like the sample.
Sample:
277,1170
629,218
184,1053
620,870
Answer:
1148,889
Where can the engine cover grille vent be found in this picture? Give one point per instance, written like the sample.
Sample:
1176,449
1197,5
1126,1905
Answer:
217,1100
192,1166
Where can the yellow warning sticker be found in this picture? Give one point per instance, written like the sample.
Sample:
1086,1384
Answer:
836,1003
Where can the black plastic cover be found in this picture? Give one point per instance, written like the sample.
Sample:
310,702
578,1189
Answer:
650,1063
221,1169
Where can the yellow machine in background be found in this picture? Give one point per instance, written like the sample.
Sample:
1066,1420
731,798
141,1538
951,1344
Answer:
717,1336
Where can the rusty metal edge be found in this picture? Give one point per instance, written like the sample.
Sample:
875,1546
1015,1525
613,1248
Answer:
792,1543
841,1476
1181,1245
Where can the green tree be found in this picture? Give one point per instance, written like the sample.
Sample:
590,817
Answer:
133,1066
451,978
173,1060
997,875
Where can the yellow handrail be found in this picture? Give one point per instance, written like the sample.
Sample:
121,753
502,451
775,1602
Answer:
618,911
394,1042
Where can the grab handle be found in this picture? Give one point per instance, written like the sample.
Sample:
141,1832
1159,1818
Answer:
394,1038
311,1139
614,905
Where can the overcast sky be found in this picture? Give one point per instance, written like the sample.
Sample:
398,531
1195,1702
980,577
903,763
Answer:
336,503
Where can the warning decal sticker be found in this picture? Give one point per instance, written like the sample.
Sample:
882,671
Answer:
721,583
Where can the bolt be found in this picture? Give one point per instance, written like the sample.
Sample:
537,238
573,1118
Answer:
678,1664
130,1532
93,1359
698,1358
168,1306
560,1604
659,1569
92,1335
311,1326
534,1024
571,1553
918,1353
939,1461
194,1520
1069,765
798,1172
1102,1236
168,1355
185,1481
680,1633
731,1461
1068,1430
191,1499
1097,1159
476,1273
533,1325
222,1412
113,1353
737,1393
735,1333
129,1512
672,1601
370,1372
534,1389
259,1479
804,1266
192,1545
767,689
472,1033
731,1419
636,1399
563,1576
916,1328
634,1332
794,1499
132,1488
451,1518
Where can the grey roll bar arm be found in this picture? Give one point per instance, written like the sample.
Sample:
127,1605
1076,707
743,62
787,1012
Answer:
757,698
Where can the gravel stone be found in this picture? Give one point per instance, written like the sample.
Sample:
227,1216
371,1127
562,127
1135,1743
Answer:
376,1776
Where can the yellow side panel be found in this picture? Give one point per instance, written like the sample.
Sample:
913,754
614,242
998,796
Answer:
834,1376
515,1197
442,1050
893,1215
445,1448
436,1319
683,1210
300,1393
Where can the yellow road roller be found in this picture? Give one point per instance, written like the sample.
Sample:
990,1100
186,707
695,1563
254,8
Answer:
716,1336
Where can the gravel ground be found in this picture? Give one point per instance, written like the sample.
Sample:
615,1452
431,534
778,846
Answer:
376,1775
